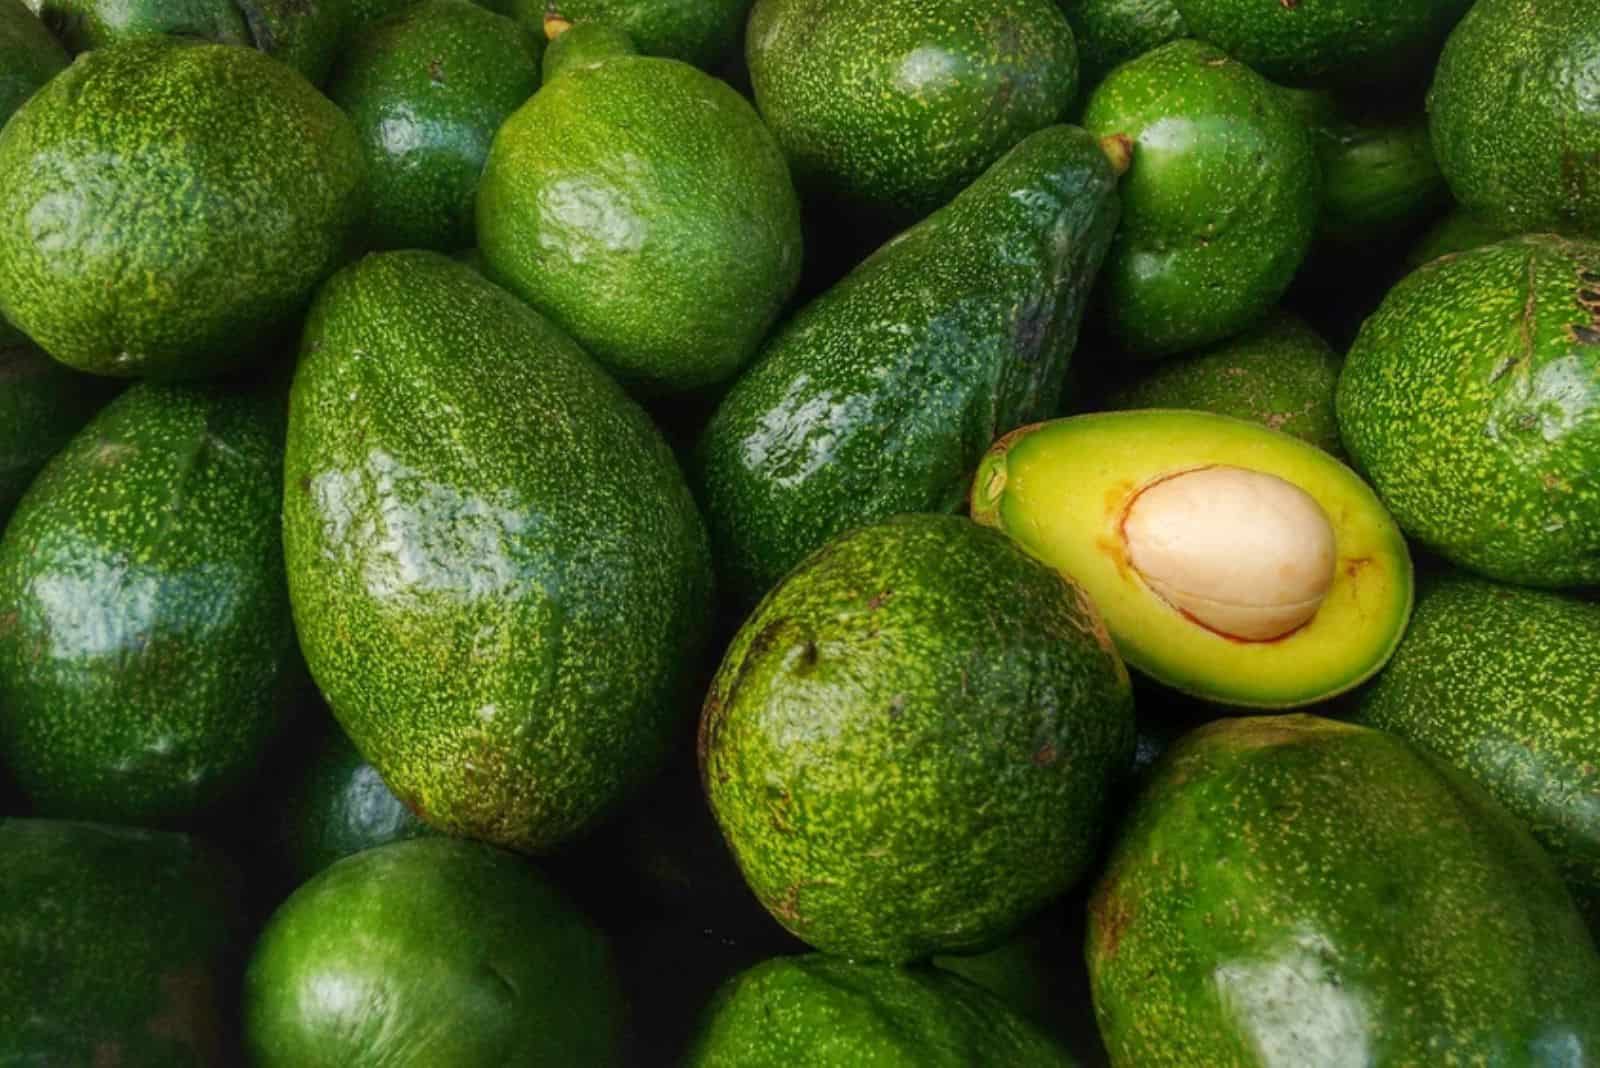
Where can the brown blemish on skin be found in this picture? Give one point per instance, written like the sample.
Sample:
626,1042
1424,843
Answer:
107,1055
188,1013
436,71
8,622
1045,755
880,599
1111,915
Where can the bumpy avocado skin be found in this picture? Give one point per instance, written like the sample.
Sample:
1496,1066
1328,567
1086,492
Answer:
498,575
1515,117
1219,206
909,746
1295,890
701,32
165,203
823,1010
584,46
1111,32
1504,684
42,404
1458,231
1471,400
880,396
29,57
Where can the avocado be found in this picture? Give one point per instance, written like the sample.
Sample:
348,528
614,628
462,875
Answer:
164,204
117,947
29,57
42,404
427,90
1515,117
1294,890
1471,399
698,32
1219,206
910,744
1504,684
434,952
880,396
1456,232
642,206
895,106
500,615
1024,970
573,47
821,1010
1111,32
1231,562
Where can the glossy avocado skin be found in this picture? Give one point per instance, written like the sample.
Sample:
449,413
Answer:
1111,32
896,105
1471,400
1504,684
699,32
117,946
910,745
146,644
42,404
499,616
1219,206
1515,118
585,45
880,395
29,57
1294,890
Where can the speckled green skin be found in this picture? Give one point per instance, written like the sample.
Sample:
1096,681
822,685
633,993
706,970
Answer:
1471,400
29,57
116,947
427,90
163,203
1111,32
820,1010
1219,206
896,105
1515,116
432,952
701,32
1296,891
882,394
585,45
42,404
1280,374
499,616
1457,232
145,637
1504,683
642,205
910,743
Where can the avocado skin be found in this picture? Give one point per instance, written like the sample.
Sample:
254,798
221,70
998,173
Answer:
435,952
42,404
164,203
1294,890
29,57
1471,400
146,643
910,744
1458,231
896,105
1111,32
817,1009
584,45
116,947
1504,684
699,32
499,616
1219,206
881,395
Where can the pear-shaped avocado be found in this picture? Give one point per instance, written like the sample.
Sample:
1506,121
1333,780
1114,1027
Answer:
29,57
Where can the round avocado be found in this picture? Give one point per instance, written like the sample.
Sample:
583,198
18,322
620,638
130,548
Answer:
1456,232
1230,561
1471,399
1219,206
642,206
434,952
165,204
29,57
42,404
426,91
910,744
1515,117
698,32
1111,32
573,47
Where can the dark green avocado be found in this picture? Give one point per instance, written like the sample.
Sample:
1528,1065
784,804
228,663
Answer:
1111,32
1456,232
29,57
42,404
699,32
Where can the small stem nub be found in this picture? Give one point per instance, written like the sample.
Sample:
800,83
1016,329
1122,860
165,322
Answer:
555,25
1119,150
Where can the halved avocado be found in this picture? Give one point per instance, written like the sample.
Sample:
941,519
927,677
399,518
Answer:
1229,561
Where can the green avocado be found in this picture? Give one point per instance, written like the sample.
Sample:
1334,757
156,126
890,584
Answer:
1515,116
1111,32
1471,400
165,204
433,952
29,57
1456,232
910,744
699,32
498,575
117,947
1219,206
1298,891
821,1010
880,395
894,106
427,90
42,404
584,45
1504,683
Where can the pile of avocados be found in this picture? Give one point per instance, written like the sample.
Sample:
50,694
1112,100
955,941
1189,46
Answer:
799,533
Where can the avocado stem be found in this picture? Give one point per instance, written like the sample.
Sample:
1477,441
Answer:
1119,150
555,25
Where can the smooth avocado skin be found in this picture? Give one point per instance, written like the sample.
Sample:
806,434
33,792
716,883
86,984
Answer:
1471,400
500,617
880,395
1219,206
42,404
435,952
165,204
1296,890
698,32
29,57
910,744
584,45
1111,32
